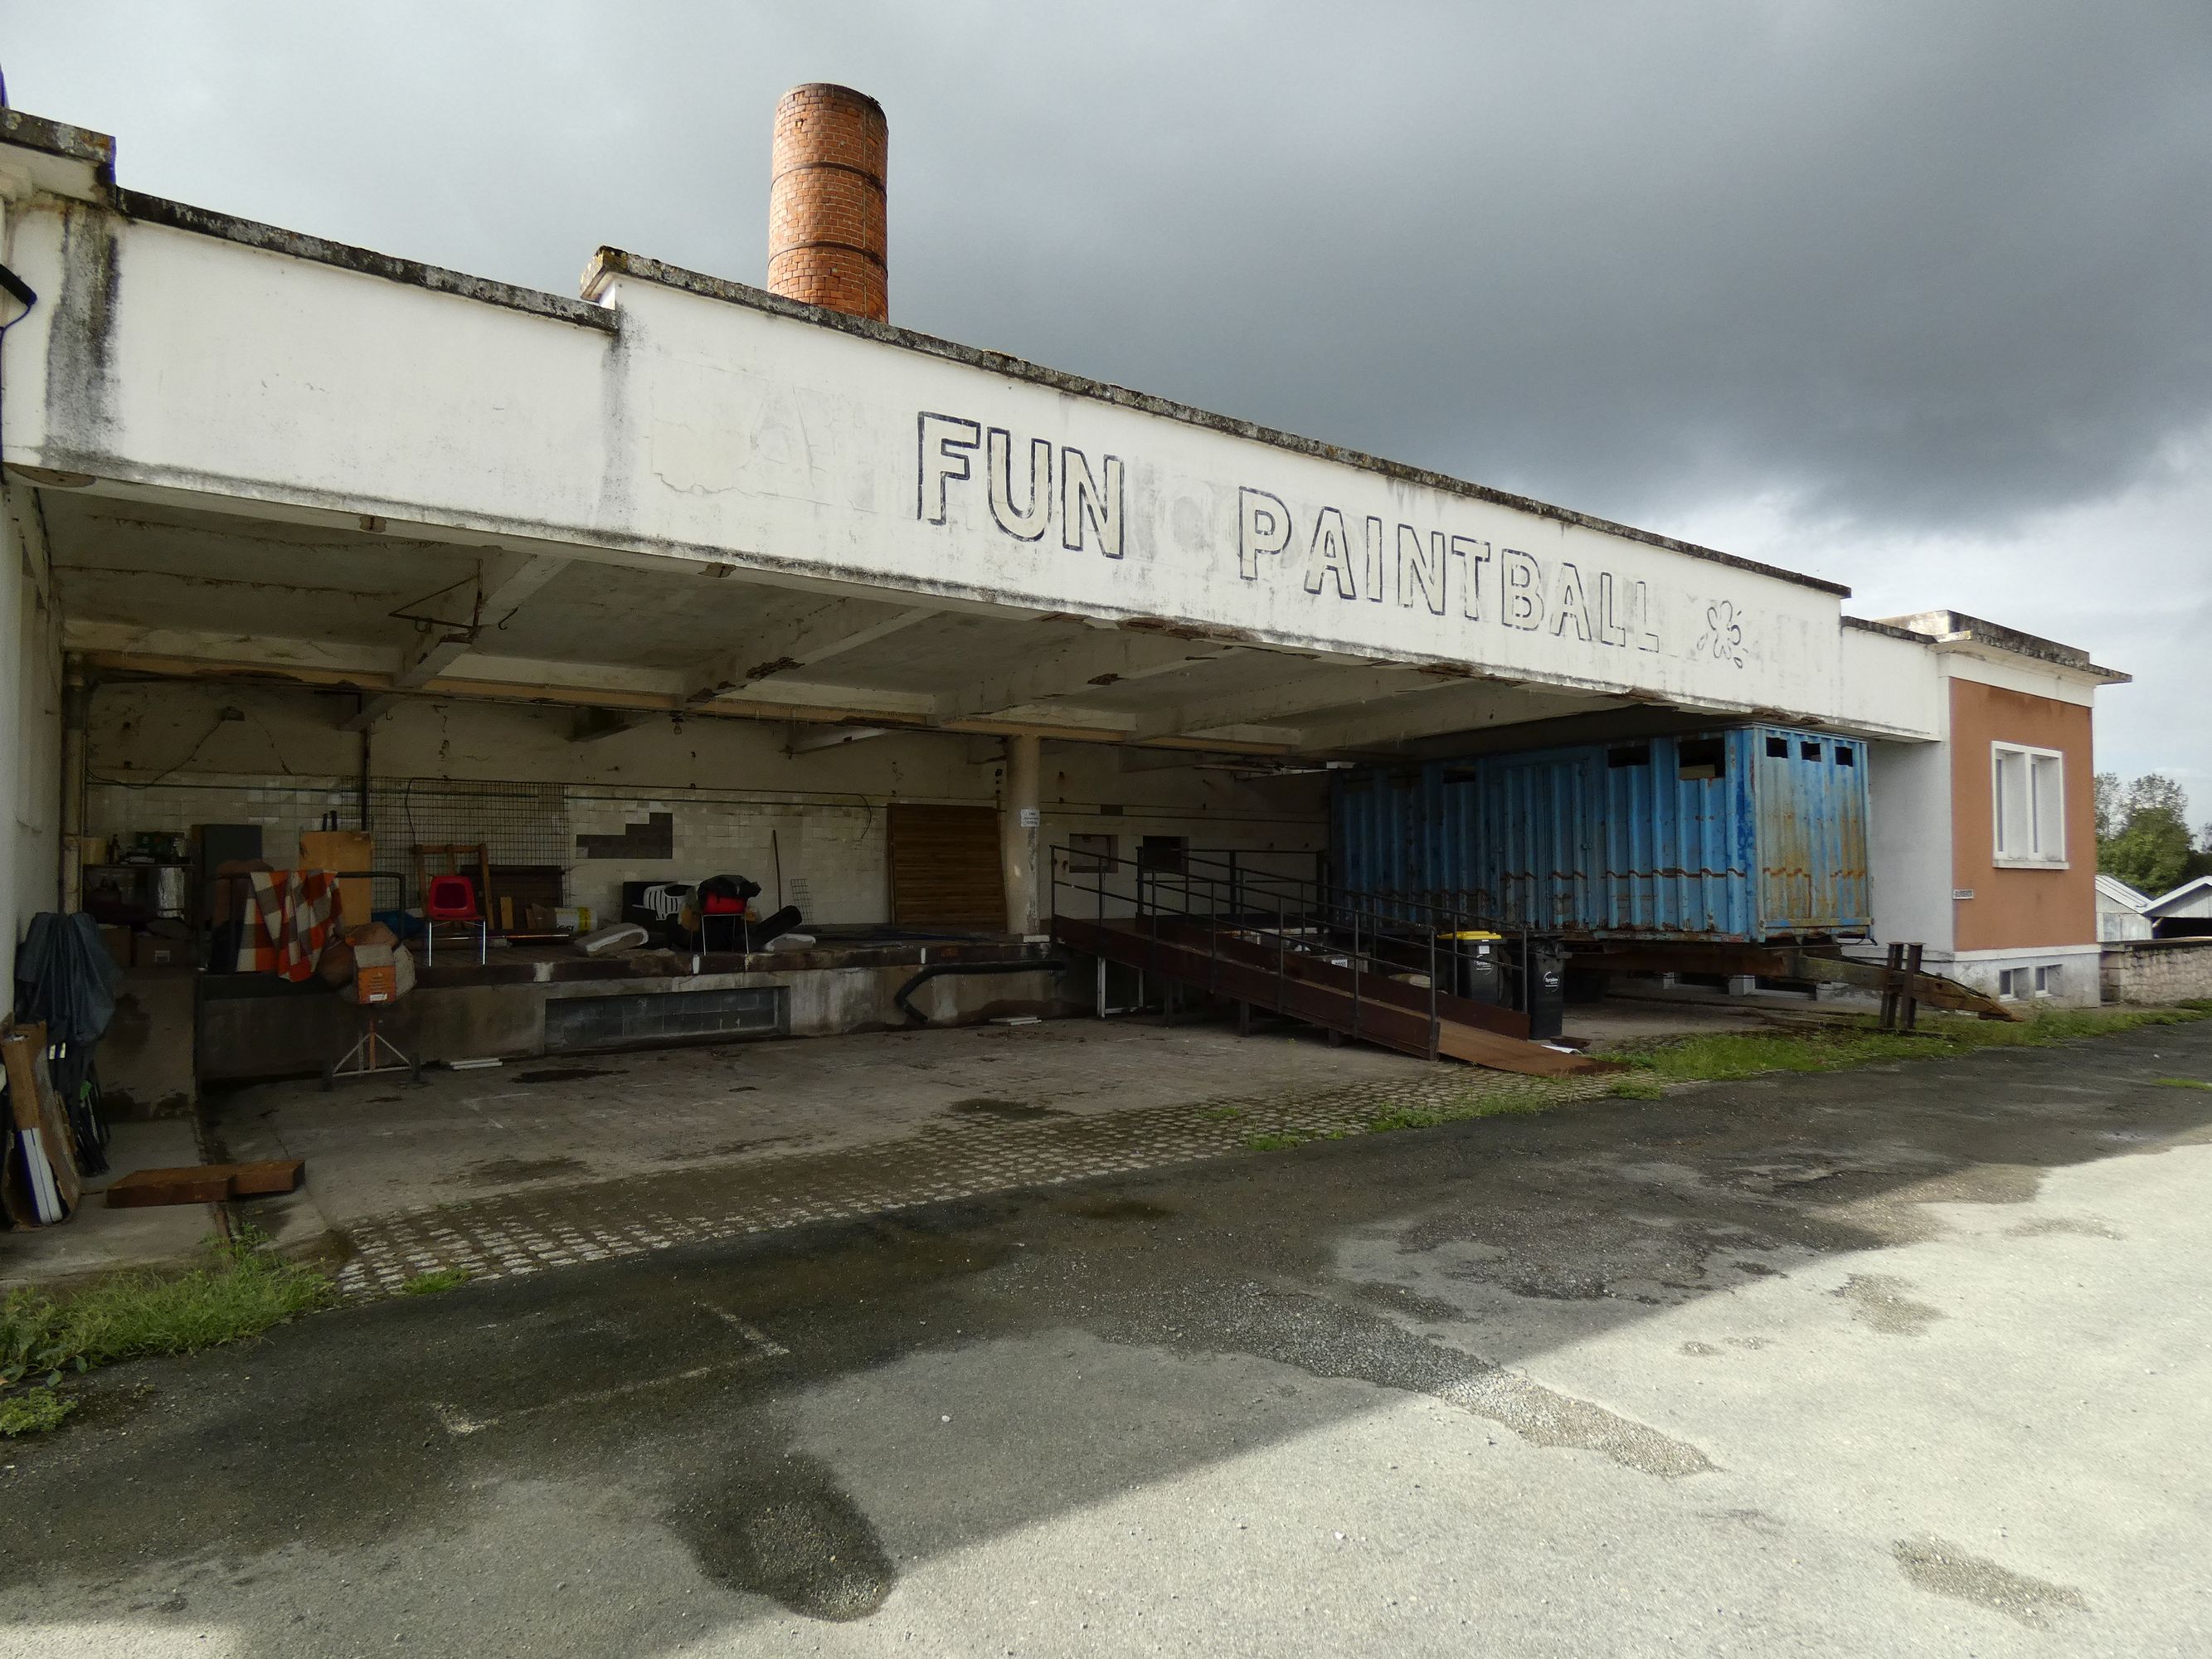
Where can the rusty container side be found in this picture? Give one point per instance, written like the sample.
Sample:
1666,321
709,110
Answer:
1754,833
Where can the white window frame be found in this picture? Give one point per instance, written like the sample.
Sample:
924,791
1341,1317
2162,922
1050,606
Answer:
2040,843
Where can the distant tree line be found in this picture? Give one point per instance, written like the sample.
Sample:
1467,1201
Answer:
2142,834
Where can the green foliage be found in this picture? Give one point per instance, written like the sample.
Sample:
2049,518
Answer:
2143,832
1276,1143
1722,1057
2181,1082
242,1294
1638,1088
32,1411
1483,1102
438,1279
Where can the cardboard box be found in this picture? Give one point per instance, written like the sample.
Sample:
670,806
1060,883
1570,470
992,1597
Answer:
342,850
151,950
375,974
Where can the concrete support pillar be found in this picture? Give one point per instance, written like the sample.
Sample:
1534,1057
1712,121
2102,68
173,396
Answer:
76,706
1020,830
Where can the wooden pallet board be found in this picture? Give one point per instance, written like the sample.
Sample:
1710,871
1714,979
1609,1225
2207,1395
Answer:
204,1183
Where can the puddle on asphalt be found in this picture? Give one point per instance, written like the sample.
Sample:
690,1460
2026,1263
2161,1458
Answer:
1117,1209
1005,1111
1878,1300
1941,1569
790,1532
506,1171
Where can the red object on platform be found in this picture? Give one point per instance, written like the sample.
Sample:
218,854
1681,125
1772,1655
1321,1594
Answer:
450,898
719,906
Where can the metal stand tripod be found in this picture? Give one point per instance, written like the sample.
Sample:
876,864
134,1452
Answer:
361,1059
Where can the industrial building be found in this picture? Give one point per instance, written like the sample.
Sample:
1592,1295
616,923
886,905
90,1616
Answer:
954,654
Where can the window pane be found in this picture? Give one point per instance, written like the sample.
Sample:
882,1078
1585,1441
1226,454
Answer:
2048,776
2013,817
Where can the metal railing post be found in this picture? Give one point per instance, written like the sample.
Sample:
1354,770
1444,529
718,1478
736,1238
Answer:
1433,1030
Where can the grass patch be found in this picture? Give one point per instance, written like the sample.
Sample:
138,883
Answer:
1474,1104
1723,1056
1275,1143
32,1411
1225,1114
1638,1088
2181,1082
438,1279
241,1294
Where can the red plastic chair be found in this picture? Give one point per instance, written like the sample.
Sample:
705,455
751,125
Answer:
451,900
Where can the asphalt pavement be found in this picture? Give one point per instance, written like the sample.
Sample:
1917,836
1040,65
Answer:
1901,1361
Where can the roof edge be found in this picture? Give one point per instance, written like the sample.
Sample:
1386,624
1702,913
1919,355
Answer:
58,138
610,262
273,238
1957,628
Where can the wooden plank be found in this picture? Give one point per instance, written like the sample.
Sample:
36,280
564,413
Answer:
944,867
205,1183
38,1115
258,1179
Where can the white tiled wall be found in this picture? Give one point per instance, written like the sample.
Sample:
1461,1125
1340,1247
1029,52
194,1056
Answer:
833,857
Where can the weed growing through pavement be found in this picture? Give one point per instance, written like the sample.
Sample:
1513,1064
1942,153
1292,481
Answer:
1226,1114
44,1338
438,1279
1721,1057
1276,1143
32,1411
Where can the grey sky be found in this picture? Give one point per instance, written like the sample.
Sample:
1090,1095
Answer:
1918,297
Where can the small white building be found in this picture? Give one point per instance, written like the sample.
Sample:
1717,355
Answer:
2186,910
2120,911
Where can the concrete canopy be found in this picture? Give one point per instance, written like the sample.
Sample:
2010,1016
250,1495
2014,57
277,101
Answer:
259,453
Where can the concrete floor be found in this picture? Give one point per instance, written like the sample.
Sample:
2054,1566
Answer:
544,1164
96,1240
1910,1360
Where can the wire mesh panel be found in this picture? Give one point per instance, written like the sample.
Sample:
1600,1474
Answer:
516,823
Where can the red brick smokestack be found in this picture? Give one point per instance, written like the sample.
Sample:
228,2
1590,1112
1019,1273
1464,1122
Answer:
825,206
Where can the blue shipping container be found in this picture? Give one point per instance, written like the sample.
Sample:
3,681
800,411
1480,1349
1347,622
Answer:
1755,833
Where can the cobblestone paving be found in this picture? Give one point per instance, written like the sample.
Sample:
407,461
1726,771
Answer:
523,1232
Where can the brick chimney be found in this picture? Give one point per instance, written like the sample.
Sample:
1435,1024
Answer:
826,206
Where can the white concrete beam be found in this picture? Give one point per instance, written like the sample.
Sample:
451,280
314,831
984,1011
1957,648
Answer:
504,579
1318,689
815,635
1088,660
836,738
597,724
1468,707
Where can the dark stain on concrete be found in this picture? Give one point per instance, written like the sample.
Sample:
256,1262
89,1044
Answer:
1005,1111
564,1073
789,1532
507,1171
1879,1300
1941,1569
1118,1209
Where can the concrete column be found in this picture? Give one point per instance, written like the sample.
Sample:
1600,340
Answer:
76,706
1020,821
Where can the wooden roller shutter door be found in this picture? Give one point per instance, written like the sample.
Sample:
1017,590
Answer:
944,867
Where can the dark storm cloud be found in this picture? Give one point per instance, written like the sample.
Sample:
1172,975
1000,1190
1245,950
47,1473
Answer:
1924,265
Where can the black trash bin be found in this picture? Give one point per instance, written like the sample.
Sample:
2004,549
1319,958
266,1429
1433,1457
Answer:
1542,969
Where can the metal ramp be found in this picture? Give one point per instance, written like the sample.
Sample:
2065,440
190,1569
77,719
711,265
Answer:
1375,972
